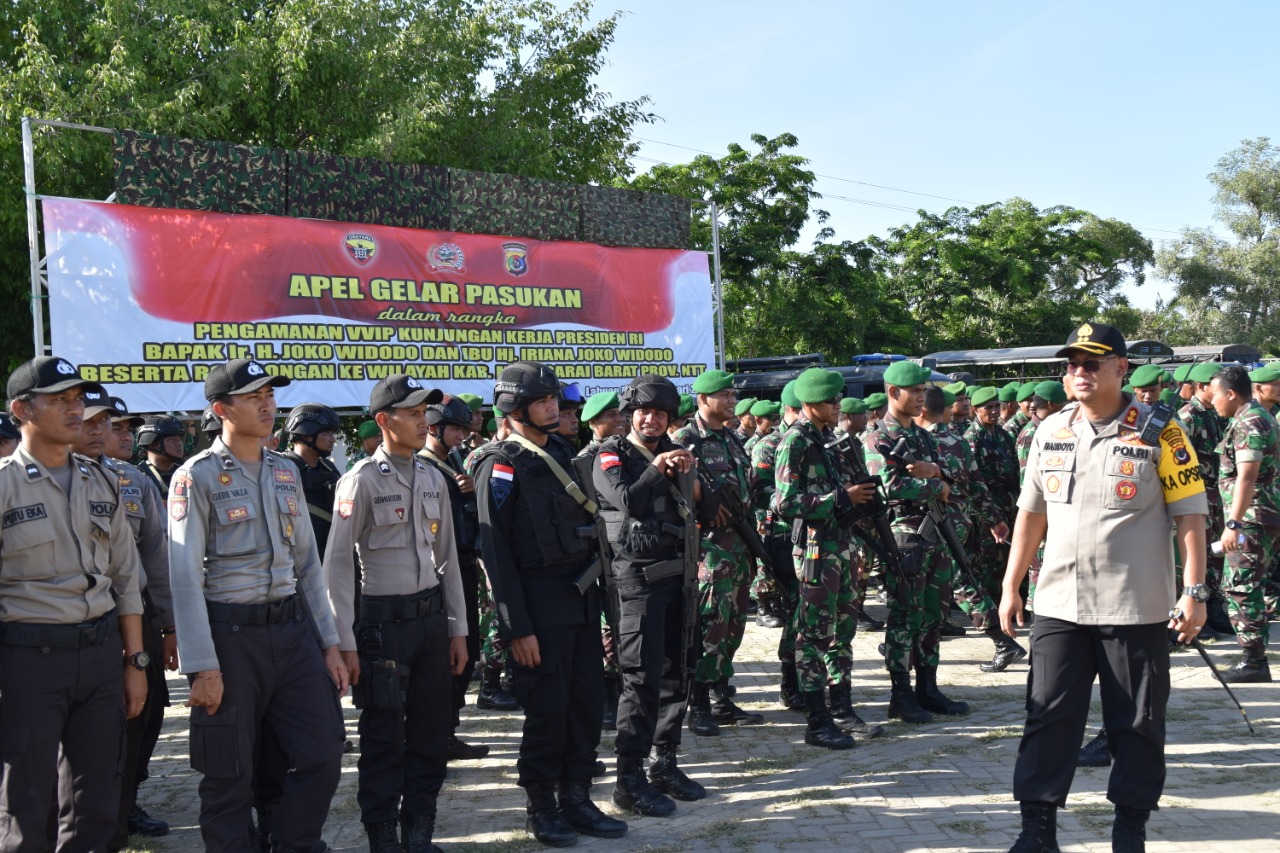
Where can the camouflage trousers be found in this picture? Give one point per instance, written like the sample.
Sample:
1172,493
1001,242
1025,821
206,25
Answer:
493,648
779,548
724,587
839,657
912,631
974,601
1243,583
763,587
827,582
1214,564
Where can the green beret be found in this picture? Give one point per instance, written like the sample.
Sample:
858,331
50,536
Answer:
1170,398
957,388
491,426
906,374
599,402
948,397
688,406
817,385
1183,374
1051,391
1165,376
877,400
1128,389
1147,374
744,406
766,409
473,401
1007,393
789,395
368,429
1204,371
1026,391
982,396
712,382
853,406
1266,373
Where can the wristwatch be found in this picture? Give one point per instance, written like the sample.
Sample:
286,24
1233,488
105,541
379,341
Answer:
1232,524
1198,592
139,661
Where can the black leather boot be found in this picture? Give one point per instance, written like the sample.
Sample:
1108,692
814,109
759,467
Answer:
822,730
846,717
417,831
383,837
767,613
1129,832
460,750
931,698
544,821
902,701
700,719
1039,829
726,713
634,793
583,815
1252,668
789,692
1096,752
141,823
867,621
665,775
612,690
1007,651
492,696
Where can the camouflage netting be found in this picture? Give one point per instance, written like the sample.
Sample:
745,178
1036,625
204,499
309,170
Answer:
368,191
615,217
165,171
511,205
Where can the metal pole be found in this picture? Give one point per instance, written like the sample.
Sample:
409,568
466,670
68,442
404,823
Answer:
719,291
33,239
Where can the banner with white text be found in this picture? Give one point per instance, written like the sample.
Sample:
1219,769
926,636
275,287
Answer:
145,300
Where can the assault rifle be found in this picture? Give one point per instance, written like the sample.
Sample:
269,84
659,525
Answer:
875,511
742,520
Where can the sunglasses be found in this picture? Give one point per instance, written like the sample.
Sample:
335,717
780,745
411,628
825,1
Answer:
1091,365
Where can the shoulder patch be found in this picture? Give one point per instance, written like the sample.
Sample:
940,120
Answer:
607,461
345,506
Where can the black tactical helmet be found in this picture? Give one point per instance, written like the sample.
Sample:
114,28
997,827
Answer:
450,410
8,429
648,390
522,382
311,419
210,424
156,428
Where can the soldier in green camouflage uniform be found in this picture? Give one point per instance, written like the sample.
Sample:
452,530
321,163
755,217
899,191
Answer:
1205,430
725,570
766,413
961,409
1266,390
997,458
1022,417
744,425
771,609
1250,450
908,486
852,423
1008,396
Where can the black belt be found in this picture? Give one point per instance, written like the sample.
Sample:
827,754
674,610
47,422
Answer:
78,636
272,613
402,608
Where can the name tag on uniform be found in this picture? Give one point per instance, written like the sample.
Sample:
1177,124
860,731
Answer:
20,514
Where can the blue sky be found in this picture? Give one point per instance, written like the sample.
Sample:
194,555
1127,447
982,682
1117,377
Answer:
1119,108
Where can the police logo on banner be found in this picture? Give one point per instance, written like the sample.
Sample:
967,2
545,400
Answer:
361,248
501,483
515,257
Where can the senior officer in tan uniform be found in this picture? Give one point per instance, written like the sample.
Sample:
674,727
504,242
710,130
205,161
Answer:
240,547
393,510
1106,487
69,604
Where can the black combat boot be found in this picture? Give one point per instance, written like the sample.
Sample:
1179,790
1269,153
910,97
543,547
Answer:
492,696
1007,650
1039,829
544,821
700,719
417,831
460,750
789,692
866,620
141,823
383,837
726,713
1129,832
1252,668
665,775
612,690
1217,616
1095,753
767,613
845,716
902,701
931,698
583,815
822,729
634,793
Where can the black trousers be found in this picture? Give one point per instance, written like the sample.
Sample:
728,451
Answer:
1131,663
651,708
272,674
563,700
469,570
71,699
143,731
402,749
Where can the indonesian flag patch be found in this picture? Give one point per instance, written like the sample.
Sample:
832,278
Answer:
609,460
505,472
501,483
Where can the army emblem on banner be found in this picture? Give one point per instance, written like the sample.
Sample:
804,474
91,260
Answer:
361,248
515,257
446,257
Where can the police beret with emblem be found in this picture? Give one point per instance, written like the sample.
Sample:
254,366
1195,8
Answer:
1183,373
906,374
853,406
877,400
688,406
473,401
48,374
1095,339
1204,371
712,382
1007,393
948,398
598,403
239,376
1147,374
1026,391
1264,374
401,391
959,389
766,409
8,429
1051,392
818,385
744,406
367,429
789,395
983,396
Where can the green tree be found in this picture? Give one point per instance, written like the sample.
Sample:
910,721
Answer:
494,85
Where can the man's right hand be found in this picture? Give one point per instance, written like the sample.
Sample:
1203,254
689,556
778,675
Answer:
525,651
352,660
206,691
861,493
1011,612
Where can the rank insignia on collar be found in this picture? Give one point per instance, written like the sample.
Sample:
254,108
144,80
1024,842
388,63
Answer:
32,472
283,475
384,467
417,463
1131,417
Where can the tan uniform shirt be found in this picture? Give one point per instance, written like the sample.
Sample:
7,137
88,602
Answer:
236,541
144,507
64,558
1110,501
402,532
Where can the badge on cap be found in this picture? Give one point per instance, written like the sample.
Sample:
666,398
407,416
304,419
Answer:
64,367
1084,333
254,369
412,383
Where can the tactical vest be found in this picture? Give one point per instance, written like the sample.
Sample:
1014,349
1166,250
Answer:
466,511
654,536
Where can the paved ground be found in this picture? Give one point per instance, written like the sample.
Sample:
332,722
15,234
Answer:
939,787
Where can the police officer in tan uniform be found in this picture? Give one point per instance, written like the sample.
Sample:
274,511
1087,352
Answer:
240,548
1103,487
393,510
69,607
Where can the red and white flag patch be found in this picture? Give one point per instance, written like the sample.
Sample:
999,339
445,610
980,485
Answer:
504,472
609,460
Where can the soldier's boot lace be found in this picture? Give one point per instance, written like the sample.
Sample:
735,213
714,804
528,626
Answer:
1039,829
1008,651
700,719
634,793
1095,753
583,815
822,730
789,691
726,713
417,832
902,701
932,699
846,717
544,821
1252,668
383,837
665,775
1129,832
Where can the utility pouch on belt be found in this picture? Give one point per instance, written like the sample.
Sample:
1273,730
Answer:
910,553
589,576
381,686
664,569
